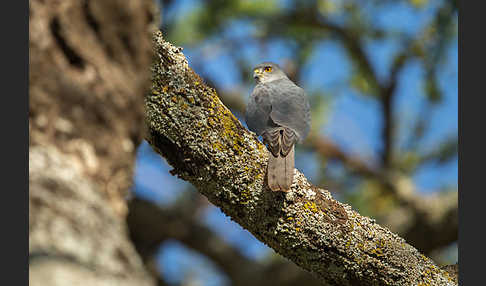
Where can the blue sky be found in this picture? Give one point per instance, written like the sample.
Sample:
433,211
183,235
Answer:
353,121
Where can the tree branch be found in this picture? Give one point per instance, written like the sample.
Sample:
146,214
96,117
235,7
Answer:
208,146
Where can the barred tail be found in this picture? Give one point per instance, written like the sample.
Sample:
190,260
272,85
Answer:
280,144
280,172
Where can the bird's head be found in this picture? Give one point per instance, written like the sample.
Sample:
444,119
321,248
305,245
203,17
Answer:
267,71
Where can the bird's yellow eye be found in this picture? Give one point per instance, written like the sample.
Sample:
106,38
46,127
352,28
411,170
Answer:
268,69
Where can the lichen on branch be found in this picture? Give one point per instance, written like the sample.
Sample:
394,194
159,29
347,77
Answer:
208,146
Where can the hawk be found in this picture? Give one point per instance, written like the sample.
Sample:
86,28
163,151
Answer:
278,110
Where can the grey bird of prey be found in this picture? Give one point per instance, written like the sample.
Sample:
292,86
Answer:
279,111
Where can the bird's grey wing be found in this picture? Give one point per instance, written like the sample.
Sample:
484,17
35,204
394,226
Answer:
290,107
258,110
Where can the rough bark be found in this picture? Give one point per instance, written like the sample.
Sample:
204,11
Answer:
208,146
88,73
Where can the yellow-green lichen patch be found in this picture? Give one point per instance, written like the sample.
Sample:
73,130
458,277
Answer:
298,222
217,146
348,244
245,196
376,249
310,206
351,225
230,131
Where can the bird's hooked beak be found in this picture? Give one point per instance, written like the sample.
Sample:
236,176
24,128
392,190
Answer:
257,74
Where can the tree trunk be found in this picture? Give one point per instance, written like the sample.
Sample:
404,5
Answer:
88,72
